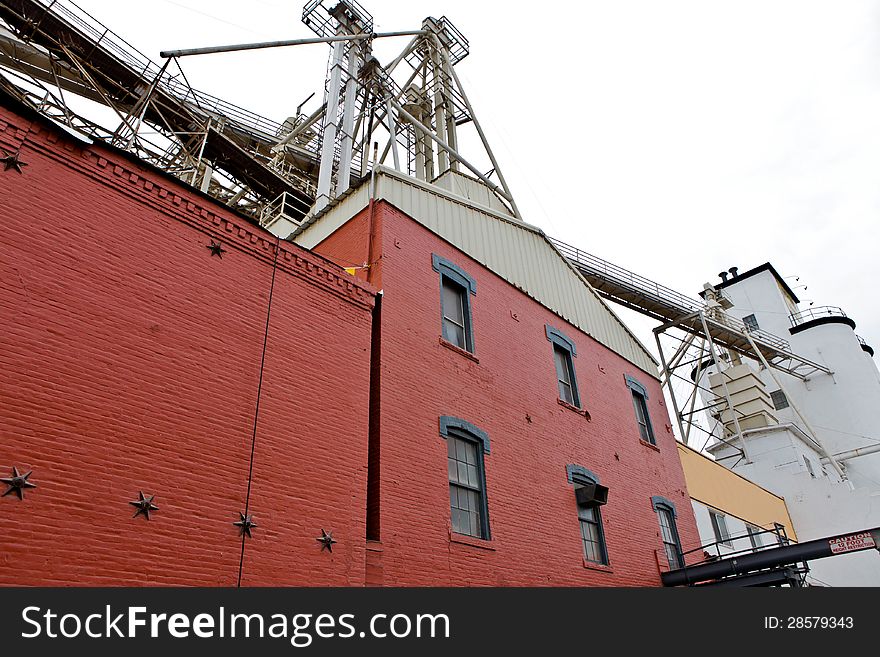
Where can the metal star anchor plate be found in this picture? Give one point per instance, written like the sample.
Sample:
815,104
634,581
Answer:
216,249
326,540
12,162
17,483
245,524
144,505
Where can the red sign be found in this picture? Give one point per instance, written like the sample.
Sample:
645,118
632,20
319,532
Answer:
851,543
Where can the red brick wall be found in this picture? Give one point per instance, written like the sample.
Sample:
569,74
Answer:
350,247
511,393
130,359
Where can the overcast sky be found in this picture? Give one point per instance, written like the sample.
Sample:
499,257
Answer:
673,138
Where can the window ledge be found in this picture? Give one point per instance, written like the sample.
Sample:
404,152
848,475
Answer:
592,565
459,350
647,444
473,541
575,409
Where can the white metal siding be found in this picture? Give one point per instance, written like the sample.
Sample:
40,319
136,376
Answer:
517,252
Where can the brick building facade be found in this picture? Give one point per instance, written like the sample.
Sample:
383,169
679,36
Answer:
266,379
130,360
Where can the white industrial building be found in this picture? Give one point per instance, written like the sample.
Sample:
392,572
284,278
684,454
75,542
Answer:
812,440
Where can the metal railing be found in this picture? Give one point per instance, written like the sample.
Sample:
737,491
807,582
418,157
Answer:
679,304
284,206
639,284
780,538
90,27
815,313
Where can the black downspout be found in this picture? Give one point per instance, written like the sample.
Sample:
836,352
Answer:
373,453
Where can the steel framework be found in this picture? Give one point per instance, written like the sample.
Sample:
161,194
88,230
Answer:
415,104
52,50
699,334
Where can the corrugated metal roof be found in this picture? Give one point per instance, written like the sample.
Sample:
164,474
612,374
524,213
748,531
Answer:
519,253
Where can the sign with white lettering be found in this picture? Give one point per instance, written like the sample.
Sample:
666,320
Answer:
851,543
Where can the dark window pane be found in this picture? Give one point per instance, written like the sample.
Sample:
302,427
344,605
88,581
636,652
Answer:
460,449
670,537
454,334
641,410
473,478
779,400
470,453
462,473
565,393
564,374
455,321
587,513
719,526
755,537
591,533
453,302
561,357
457,523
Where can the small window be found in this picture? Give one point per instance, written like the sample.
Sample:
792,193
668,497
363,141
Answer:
456,289
809,465
465,447
565,375
640,405
751,323
456,322
645,431
755,536
591,532
563,358
668,531
779,400
719,526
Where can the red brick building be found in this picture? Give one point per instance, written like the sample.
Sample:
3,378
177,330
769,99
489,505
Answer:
131,358
463,427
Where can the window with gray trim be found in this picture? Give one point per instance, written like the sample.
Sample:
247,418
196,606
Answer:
751,323
669,532
755,537
563,358
589,515
467,479
640,406
646,432
593,537
456,288
719,527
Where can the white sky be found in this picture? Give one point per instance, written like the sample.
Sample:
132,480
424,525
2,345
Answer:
673,138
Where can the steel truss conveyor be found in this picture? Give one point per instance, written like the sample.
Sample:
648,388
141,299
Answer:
59,44
675,309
